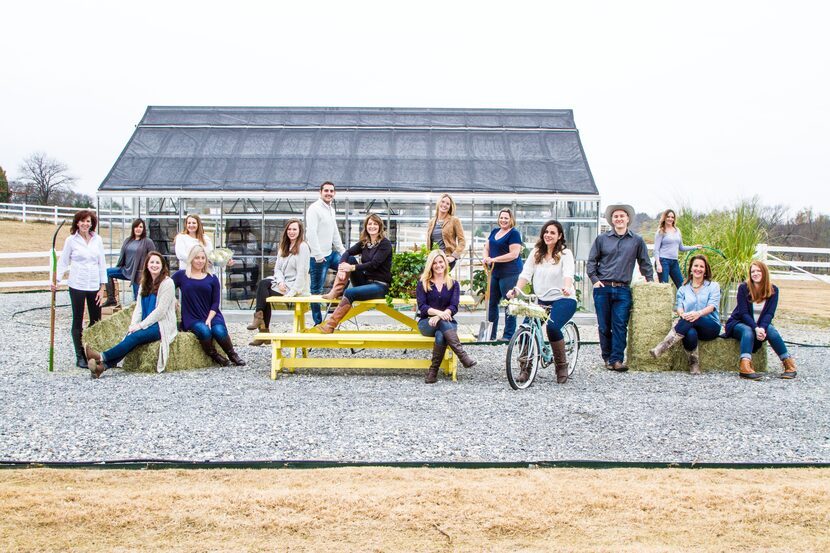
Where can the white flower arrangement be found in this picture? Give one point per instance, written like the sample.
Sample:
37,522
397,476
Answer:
220,256
526,309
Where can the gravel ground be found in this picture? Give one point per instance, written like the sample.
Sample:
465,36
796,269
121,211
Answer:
226,414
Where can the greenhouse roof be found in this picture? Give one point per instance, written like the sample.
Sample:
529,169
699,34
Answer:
240,149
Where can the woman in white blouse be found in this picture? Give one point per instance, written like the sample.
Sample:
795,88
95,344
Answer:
193,233
290,275
551,270
83,257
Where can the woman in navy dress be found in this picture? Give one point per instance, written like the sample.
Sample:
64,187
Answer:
503,251
200,307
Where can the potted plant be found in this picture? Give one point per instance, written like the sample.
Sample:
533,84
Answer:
407,267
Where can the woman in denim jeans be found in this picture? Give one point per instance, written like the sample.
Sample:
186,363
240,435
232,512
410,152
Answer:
697,305
200,307
751,322
668,243
154,319
503,251
437,297
551,270
370,277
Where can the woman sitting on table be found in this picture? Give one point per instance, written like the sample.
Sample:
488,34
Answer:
751,322
503,251
200,307
290,275
437,298
370,278
130,261
551,270
445,230
668,243
697,304
154,319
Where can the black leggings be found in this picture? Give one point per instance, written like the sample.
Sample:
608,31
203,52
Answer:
77,298
263,292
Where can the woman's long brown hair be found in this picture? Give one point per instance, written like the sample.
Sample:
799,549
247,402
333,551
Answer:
148,284
542,248
365,239
200,229
285,241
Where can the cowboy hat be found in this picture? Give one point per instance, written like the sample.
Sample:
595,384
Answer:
616,207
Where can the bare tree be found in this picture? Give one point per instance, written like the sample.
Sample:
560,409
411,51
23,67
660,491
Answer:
44,177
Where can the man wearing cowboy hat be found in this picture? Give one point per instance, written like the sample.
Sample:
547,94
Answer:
610,267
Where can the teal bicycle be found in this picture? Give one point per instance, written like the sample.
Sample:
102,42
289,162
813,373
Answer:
528,347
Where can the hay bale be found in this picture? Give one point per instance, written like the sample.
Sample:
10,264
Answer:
185,351
720,355
651,320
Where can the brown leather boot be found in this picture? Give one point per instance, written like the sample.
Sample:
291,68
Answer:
671,339
451,337
560,360
258,323
96,362
746,370
437,357
694,361
210,350
227,345
328,326
789,369
337,287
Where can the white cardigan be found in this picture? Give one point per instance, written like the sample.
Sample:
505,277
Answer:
165,315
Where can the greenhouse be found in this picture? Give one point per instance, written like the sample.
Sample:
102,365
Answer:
245,171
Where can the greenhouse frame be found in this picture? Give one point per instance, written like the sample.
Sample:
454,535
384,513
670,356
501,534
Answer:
246,171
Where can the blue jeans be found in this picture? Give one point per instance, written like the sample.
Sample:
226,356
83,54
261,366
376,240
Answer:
671,268
117,272
704,329
202,332
361,288
115,354
561,312
749,344
437,330
499,287
318,272
613,307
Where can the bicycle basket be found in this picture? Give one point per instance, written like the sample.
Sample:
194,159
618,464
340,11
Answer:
525,309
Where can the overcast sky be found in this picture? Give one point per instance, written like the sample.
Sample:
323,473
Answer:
677,103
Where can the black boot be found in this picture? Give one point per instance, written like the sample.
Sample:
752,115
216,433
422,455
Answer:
111,295
211,352
80,358
451,336
226,344
437,357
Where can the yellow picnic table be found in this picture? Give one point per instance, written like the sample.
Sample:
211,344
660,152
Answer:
302,338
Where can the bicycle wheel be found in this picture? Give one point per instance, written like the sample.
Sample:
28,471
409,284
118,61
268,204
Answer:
571,333
523,350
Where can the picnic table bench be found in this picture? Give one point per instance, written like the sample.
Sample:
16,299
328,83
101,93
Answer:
302,338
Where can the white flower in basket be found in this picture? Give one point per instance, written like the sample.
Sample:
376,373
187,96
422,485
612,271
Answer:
220,256
525,309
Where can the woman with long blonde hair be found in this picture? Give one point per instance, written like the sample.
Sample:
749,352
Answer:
437,298
444,231
751,322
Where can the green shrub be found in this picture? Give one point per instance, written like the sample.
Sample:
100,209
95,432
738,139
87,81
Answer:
406,271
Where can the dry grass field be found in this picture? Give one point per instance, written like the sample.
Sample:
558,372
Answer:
386,509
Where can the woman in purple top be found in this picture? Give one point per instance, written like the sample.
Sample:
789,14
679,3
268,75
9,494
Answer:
200,307
503,251
437,299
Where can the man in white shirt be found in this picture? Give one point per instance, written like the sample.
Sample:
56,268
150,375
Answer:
324,241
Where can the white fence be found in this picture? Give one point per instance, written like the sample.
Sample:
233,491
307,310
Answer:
52,214
34,269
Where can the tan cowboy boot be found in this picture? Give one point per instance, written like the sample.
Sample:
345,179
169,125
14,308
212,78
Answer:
337,287
694,361
258,323
671,339
328,326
